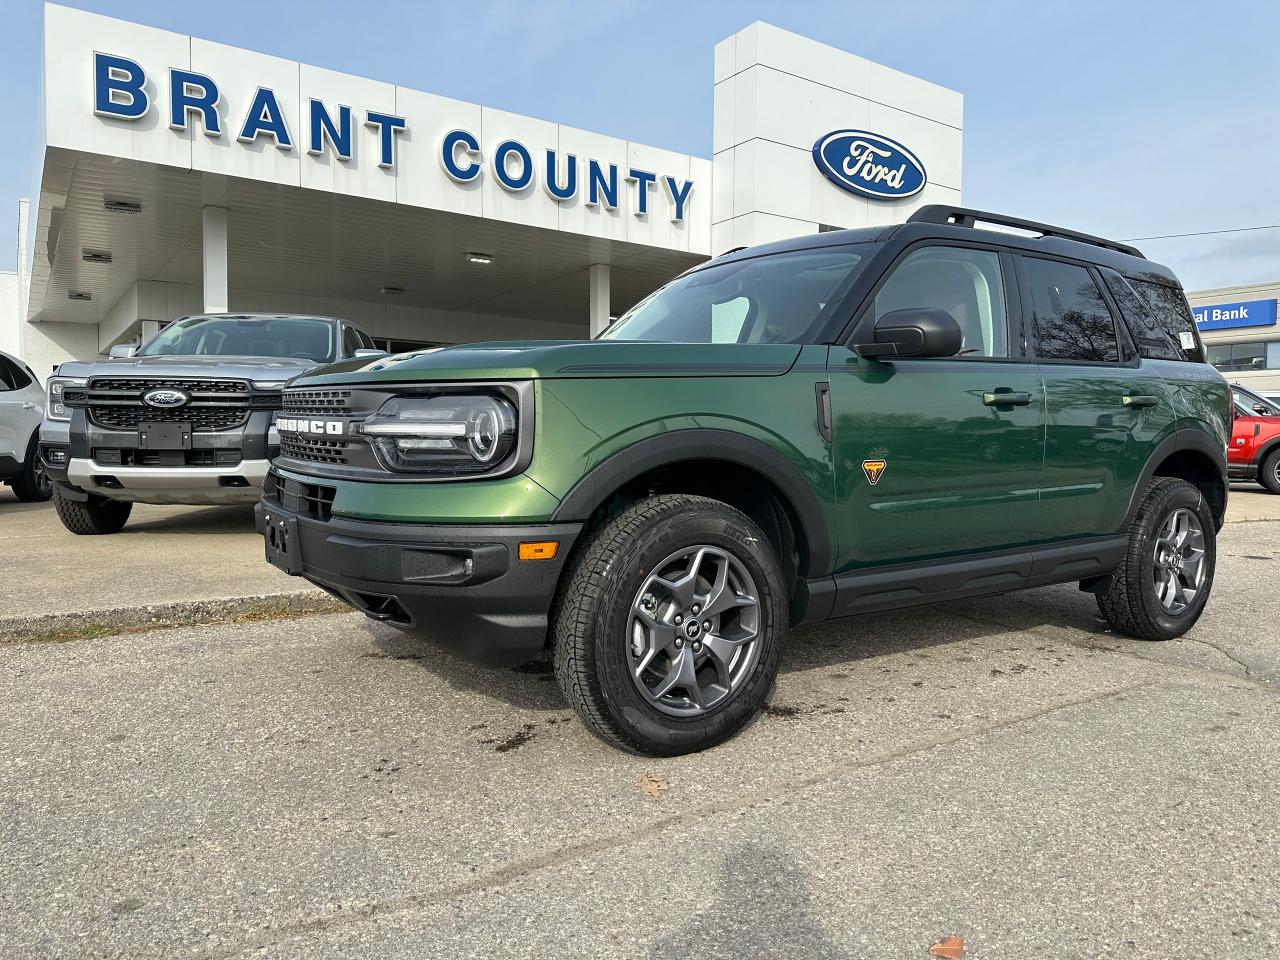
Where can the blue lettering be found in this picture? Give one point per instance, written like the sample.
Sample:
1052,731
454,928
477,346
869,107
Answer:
119,88
449,156
323,128
265,116
387,126
193,91
643,180
551,184
506,149
598,186
678,195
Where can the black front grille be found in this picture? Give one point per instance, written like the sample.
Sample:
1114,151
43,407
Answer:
213,457
313,450
115,403
200,418
312,500
306,402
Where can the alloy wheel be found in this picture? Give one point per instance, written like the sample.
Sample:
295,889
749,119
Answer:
694,631
1179,561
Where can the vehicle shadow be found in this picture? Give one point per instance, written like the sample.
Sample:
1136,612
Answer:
237,520
845,642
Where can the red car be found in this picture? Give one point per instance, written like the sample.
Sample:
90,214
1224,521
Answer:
1254,453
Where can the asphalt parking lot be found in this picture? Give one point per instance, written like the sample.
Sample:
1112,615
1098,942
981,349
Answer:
1004,770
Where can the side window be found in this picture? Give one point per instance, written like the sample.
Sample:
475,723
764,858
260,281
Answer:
967,283
350,341
1153,340
1072,320
1168,306
366,341
7,381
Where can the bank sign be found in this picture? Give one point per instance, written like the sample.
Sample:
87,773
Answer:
869,165
123,91
1228,316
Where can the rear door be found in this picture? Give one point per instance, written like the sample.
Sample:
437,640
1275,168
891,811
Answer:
938,456
1106,407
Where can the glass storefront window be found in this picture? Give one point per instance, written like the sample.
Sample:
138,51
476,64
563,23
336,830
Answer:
1237,356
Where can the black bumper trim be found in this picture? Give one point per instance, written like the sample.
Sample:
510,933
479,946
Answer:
459,586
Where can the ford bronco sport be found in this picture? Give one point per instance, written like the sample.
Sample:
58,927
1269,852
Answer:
826,426
1254,453
186,419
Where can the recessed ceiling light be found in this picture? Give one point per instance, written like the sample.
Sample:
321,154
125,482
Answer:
392,291
79,295
95,256
483,259
121,206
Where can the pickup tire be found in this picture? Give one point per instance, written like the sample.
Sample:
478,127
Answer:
623,632
97,515
1269,471
1155,594
32,485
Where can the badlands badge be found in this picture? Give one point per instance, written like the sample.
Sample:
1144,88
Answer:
874,469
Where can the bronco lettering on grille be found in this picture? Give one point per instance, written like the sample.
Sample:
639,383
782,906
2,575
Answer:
331,428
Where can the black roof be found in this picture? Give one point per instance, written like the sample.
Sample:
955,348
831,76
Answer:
959,223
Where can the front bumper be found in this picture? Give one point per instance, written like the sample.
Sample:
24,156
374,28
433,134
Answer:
232,483
460,586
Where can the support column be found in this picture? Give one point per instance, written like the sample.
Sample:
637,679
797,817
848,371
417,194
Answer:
598,281
214,255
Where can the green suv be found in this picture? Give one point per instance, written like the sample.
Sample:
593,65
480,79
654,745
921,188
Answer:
817,428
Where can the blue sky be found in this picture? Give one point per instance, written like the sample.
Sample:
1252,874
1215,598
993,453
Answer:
1124,119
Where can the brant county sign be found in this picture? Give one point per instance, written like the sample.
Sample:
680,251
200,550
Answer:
869,165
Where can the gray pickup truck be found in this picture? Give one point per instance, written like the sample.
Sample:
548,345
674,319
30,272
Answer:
187,419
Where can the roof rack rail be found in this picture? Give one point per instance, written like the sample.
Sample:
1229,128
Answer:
966,217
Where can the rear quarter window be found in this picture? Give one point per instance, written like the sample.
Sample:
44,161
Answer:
1158,317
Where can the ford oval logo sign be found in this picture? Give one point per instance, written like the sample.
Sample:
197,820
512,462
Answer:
165,398
869,165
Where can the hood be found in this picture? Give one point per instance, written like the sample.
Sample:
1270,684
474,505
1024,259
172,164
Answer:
239,368
559,359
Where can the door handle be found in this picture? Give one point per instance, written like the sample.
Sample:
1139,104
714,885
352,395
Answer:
28,405
1006,399
1136,400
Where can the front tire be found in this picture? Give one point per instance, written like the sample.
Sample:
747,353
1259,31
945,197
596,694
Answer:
92,518
668,629
32,485
1269,471
1162,585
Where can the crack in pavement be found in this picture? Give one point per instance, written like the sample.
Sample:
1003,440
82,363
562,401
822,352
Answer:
576,851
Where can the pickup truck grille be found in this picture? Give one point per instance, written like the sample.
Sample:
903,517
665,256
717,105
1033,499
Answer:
115,403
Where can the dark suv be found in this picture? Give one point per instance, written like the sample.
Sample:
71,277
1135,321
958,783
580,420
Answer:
817,428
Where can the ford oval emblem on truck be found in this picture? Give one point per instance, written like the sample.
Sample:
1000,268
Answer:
869,164
165,398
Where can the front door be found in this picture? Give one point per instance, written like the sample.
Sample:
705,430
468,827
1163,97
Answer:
941,456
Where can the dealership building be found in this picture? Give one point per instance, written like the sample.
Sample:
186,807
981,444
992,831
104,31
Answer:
1240,333
182,176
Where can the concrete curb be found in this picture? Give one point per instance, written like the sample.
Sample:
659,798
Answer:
91,623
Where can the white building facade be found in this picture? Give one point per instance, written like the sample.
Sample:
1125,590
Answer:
182,175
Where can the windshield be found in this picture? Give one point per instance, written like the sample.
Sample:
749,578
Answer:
302,338
776,298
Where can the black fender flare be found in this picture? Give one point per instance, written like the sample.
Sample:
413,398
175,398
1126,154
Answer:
591,491
1179,441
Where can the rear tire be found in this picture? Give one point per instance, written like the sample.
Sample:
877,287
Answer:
32,484
1269,471
640,678
97,516
1162,585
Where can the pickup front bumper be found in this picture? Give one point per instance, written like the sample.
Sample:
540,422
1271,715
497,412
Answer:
463,587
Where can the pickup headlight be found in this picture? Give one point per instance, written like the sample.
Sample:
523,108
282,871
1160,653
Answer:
56,408
445,435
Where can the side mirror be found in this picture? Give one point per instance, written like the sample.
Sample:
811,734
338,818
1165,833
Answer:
1261,411
123,350
914,332
370,353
